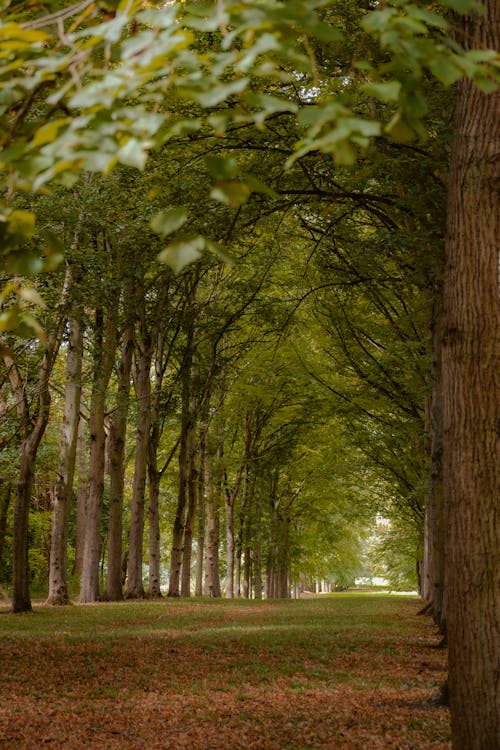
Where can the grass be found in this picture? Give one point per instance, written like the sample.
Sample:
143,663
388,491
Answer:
341,671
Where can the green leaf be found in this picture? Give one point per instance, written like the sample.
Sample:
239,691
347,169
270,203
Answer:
258,186
180,254
221,168
399,129
233,193
168,221
133,154
221,93
444,70
21,222
384,92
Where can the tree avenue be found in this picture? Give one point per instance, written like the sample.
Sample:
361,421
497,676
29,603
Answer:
232,337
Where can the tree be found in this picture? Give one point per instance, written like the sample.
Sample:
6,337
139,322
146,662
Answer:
471,407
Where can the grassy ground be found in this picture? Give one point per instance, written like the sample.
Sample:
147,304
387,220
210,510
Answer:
347,671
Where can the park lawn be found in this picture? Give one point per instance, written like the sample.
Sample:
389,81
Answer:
346,671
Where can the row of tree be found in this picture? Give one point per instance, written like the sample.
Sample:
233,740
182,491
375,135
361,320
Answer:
340,341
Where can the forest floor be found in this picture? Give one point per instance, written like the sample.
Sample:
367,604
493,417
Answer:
340,672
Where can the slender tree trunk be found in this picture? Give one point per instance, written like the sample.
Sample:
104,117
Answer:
63,489
257,553
179,521
154,588
81,494
104,359
229,547
5,498
192,482
212,576
177,549
433,569
154,475
21,601
116,455
32,429
200,552
471,407
135,587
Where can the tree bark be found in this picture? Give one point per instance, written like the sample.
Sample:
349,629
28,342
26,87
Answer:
154,475
201,515
63,488
104,359
116,454
433,589
81,494
135,587
5,499
212,576
192,482
34,430
471,407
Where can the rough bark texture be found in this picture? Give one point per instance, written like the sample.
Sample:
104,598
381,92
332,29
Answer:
104,358
135,588
63,488
116,454
212,585
192,488
81,494
471,407
5,498
433,590
200,546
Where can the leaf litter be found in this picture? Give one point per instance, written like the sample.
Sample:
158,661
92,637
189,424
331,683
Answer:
332,673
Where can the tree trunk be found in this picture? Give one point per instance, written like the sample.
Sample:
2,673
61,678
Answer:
5,498
116,455
192,482
104,359
212,576
179,521
471,407
229,547
63,488
81,495
433,589
257,553
135,587
200,546
21,601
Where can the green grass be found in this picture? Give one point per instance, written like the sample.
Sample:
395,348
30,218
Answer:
344,665
215,619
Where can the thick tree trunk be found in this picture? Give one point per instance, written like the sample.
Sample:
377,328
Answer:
63,488
135,587
116,455
104,358
471,407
